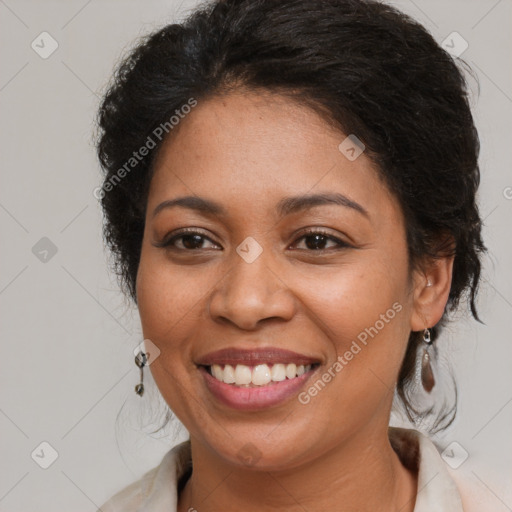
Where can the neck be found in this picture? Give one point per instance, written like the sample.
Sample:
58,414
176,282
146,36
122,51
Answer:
363,474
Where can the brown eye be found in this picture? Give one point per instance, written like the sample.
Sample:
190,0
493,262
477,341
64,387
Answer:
187,240
316,240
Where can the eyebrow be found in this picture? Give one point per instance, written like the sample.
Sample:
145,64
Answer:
285,206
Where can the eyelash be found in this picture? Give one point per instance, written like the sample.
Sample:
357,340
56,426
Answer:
168,242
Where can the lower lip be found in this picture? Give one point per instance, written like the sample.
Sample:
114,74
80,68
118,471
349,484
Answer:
257,397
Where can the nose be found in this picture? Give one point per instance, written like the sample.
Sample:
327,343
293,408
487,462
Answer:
252,293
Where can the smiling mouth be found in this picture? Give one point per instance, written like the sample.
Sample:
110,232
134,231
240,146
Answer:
241,375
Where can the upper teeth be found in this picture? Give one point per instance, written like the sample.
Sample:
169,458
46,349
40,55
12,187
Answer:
259,375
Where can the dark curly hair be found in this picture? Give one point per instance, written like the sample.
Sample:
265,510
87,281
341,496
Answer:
362,65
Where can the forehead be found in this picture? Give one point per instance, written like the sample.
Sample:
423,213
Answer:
248,147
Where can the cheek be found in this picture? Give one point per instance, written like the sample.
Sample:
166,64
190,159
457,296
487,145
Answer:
352,296
363,309
166,296
161,304
166,303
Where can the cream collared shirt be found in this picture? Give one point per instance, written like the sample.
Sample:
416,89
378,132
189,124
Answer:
157,490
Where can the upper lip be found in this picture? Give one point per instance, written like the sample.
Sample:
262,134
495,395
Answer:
255,356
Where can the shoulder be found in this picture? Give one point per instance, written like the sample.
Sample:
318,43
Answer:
437,490
481,486
157,489
442,485
130,498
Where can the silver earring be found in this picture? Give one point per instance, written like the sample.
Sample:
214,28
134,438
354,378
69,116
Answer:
141,361
427,375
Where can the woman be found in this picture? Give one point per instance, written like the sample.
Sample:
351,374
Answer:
290,195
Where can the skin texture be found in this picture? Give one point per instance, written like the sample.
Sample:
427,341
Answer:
247,151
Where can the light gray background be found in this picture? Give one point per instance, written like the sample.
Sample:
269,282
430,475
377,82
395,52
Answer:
68,334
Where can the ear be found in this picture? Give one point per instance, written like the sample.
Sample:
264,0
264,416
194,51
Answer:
431,290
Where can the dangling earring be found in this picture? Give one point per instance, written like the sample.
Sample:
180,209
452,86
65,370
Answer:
427,375
141,361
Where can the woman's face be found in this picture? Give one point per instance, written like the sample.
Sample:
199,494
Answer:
249,278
